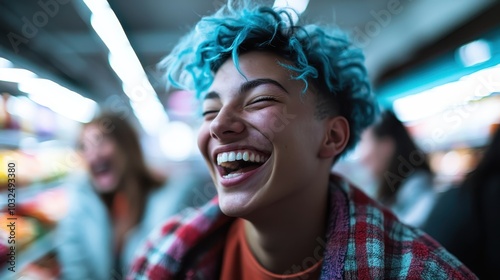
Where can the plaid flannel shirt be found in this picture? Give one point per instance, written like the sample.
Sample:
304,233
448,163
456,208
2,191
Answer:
363,237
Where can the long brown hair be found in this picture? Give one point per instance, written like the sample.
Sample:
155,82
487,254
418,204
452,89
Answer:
116,128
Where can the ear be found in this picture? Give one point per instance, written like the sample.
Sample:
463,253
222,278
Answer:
336,137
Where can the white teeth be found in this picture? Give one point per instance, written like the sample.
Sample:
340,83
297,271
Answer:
231,175
239,155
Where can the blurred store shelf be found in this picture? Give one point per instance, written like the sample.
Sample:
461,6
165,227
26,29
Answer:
32,253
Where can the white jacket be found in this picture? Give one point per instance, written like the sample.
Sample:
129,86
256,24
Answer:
84,235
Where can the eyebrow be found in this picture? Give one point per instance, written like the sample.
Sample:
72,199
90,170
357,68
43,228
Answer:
247,86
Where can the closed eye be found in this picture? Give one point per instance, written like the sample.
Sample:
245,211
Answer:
262,99
208,113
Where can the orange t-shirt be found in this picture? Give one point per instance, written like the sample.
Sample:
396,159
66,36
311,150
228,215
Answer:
239,262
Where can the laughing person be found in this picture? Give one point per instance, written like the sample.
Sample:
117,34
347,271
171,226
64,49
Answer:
114,206
281,103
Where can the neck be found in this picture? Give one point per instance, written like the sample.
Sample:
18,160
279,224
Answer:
129,188
285,237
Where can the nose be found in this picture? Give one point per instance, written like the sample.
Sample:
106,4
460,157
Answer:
227,125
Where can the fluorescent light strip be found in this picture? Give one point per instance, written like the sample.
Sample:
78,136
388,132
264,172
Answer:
5,63
177,141
124,62
475,86
151,113
299,6
59,99
475,53
15,75
47,93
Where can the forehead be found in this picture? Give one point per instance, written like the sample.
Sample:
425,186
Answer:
254,65
91,133
255,62
91,130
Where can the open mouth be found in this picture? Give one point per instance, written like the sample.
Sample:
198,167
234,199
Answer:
235,163
101,168
103,176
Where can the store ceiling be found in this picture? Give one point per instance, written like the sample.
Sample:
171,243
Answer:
54,39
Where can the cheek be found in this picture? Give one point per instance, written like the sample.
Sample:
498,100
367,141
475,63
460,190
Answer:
110,151
271,122
367,155
203,138
367,150
86,157
377,160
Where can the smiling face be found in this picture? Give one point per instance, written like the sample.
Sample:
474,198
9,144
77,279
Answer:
104,160
260,137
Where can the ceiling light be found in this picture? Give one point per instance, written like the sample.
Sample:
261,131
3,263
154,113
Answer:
128,70
15,75
150,114
59,99
5,63
475,86
298,6
127,66
21,106
108,28
474,53
177,141
486,81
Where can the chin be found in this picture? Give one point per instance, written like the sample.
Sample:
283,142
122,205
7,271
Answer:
235,212
104,188
233,206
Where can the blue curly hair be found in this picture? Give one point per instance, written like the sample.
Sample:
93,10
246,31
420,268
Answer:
322,57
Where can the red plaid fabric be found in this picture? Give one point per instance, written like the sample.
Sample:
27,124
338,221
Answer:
363,241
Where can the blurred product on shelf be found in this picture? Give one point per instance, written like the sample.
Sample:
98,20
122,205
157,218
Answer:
6,120
38,167
4,250
23,179
35,218
465,218
40,198
27,229
48,206
405,180
21,119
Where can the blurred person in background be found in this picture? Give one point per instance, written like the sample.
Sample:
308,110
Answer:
115,205
466,219
405,180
